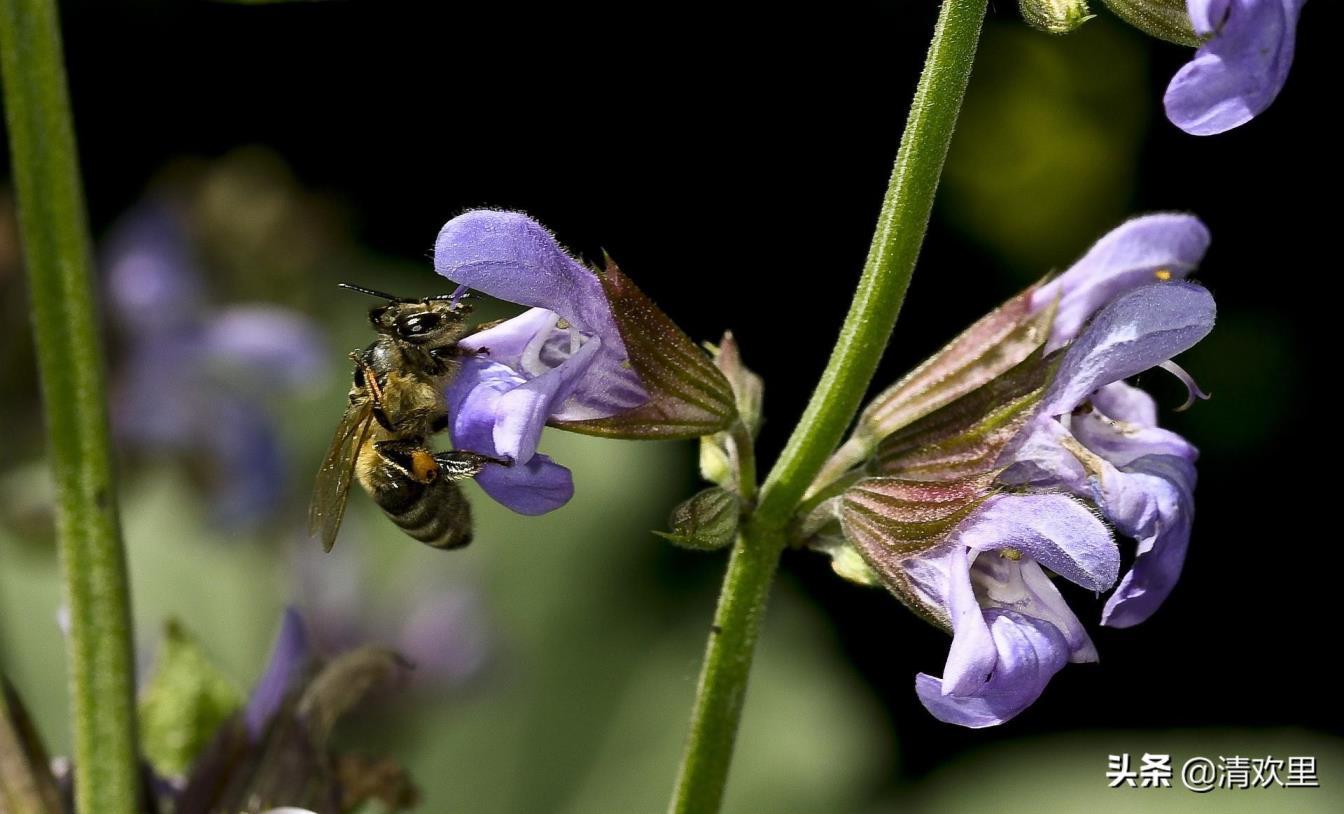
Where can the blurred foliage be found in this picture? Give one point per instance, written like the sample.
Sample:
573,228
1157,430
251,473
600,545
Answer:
184,701
1046,154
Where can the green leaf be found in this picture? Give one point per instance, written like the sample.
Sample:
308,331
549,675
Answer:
707,521
26,783
688,395
184,703
1165,19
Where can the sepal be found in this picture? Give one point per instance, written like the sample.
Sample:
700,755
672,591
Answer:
706,522
689,396
1165,19
995,344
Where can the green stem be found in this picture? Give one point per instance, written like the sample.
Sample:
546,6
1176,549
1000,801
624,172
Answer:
901,225
56,245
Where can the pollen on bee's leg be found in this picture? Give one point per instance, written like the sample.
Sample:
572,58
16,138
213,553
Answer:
1191,388
423,466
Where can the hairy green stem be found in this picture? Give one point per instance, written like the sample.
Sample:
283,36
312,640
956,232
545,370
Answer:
54,230
901,225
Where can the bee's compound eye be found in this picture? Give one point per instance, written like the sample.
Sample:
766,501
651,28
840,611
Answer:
418,324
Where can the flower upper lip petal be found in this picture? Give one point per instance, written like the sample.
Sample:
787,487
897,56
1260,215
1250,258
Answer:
1137,331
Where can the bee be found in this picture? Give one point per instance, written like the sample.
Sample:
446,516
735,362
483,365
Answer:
397,402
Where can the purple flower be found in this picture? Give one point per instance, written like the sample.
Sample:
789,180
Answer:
563,360
1089,446
195,380
1240,67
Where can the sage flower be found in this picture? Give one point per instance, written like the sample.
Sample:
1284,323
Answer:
973,498
1241,65
591,355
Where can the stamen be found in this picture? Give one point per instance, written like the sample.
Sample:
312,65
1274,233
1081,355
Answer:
1163,274
1010,554
458,295
1191,388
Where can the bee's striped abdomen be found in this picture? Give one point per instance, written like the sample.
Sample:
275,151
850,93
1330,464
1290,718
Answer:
436,513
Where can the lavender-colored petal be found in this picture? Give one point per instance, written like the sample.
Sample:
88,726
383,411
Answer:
1152,501
1127,403
1135,332
1242,67
1030,652
1055,530
153,282
1039,457
508,342
513,258
522,412
1020,585
971,658
288,663
1121,443
265,346
536,486
1136,253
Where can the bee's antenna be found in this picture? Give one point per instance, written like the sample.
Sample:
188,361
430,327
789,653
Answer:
372,293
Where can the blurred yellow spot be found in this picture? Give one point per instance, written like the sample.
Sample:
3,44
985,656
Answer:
1162,274
1010,554
563,324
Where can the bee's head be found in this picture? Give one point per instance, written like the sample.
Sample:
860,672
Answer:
431,322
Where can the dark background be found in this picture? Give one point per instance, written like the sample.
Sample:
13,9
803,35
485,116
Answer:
733,161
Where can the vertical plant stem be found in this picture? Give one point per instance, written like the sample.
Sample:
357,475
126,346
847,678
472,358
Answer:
901,226
54,231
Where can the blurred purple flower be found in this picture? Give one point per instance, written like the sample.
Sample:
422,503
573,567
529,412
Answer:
562,360
196,380
440,629
1093,440
1240,67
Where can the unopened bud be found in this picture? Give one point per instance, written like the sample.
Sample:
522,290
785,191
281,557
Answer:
1055,16
707,521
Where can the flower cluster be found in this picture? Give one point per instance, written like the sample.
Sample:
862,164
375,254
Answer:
197,380
1018,454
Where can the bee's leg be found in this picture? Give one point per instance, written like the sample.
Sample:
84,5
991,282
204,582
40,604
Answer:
459,464
411,457
366,378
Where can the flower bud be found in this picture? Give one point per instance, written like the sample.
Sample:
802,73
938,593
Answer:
1055,16
1165,19
707,521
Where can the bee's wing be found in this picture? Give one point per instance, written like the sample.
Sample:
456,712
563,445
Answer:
337,473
